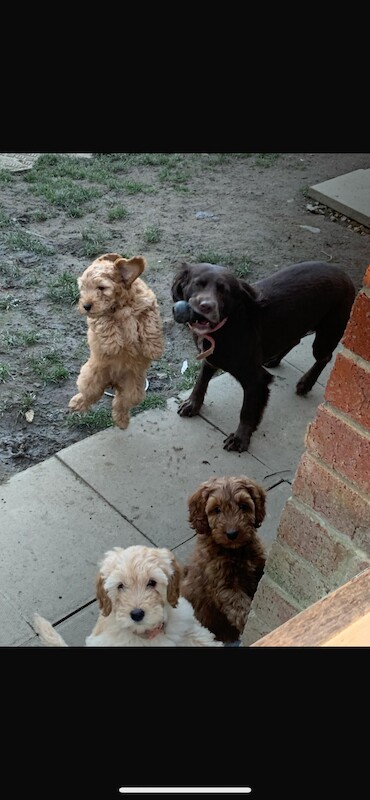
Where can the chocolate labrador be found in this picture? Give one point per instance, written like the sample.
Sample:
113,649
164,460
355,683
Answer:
242,328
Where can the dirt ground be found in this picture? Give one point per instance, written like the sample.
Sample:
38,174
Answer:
247,211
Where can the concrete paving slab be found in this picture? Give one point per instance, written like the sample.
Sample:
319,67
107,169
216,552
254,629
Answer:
275,502
278,442
54,530
349,194
13,628
147,472
302,359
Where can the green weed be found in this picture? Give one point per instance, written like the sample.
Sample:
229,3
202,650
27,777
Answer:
4,372
50,368
94,243
64,289
5,176
26,339
132,187
266,159
8,301
152,400
189,377
119,212
26,402
21,240
239,265
4,219
152,234
94,420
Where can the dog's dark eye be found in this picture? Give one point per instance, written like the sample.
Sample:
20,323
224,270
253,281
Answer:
101,288
152,582
243,506
120,586
217,510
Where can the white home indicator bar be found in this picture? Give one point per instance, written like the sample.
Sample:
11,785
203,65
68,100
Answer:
185,789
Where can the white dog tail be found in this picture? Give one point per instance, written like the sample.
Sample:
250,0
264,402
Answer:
48,635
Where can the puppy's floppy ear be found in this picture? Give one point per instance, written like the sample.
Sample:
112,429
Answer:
258,496
179,281
105,603
197,509
173,571
173,588
130,269
109,257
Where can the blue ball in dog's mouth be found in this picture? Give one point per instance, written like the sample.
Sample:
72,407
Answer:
182,312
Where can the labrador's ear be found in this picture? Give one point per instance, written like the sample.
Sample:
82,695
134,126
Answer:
179,282
104,600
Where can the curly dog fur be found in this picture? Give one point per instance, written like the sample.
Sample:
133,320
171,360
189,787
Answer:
124,334
138,589
228,559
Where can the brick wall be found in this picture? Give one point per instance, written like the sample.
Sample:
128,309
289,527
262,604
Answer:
323,537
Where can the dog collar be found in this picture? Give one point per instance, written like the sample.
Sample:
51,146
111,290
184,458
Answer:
152,633
203,336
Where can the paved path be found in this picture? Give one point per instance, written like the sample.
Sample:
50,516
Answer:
131,487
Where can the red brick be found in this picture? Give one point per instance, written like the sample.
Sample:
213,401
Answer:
271,606
356,336
367,277
296,575
327,494
337,443
348,389
311,540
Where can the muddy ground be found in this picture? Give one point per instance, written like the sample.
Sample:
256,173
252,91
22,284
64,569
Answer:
243,210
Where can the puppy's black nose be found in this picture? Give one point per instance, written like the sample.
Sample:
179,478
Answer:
232,534
137,614
87,306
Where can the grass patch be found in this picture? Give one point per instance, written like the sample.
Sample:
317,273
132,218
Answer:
5,176
189,377
50,367
4,372
26,402
118,212
33,280
26,339
11,271
8,301
93,420
66,194
4,219
64,289
39,216
94,243
239,265
132,187
21,240
152,234
152,400
175,177
266,159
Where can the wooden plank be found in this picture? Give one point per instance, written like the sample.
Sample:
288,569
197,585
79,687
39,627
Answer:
341,619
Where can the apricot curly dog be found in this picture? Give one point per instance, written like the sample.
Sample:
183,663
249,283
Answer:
124,334
228,560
